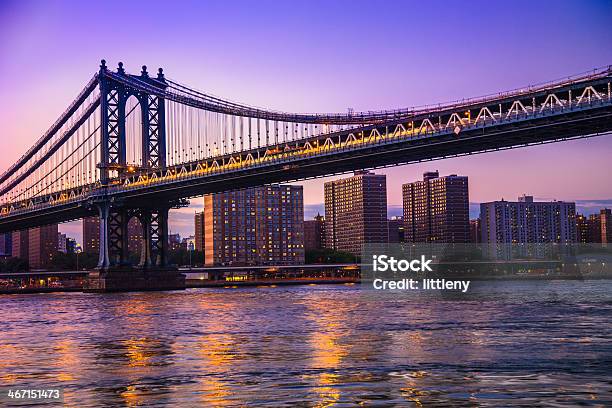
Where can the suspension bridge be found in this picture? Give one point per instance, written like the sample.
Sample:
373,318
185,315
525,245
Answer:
137,145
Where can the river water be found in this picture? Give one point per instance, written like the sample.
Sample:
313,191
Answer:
503,344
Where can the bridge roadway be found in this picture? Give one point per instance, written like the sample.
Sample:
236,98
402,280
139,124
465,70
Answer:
548,115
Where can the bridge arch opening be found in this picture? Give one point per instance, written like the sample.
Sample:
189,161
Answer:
135,240
133,132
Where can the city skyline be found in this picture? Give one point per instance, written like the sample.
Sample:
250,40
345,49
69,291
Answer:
181,220
262,225
569,171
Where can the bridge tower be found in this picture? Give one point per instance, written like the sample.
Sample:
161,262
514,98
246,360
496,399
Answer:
114,95
114,271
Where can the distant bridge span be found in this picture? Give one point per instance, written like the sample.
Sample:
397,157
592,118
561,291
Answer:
136,145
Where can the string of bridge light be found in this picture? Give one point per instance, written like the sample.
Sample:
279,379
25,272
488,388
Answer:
55,145
57,173
43,185
195,134
60,167
54,130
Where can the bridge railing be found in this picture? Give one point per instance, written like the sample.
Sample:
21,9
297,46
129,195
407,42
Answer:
190,170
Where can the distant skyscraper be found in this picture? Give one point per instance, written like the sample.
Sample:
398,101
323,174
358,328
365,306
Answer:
594,228
255,226
597,228
314,233
71,245
582,229
174,242
436,209
356,212
606,225
396,230
188,243
475,232
61,243
42,245
199,231
526,221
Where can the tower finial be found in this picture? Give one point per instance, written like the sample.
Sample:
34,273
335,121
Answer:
144,72
120,69
160,74
103,64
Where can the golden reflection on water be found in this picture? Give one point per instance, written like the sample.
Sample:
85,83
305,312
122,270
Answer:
130,396
217,353
135,311
138,352
326,391
413,390
137,355
327,352
328,349
10,354
67,359
214,353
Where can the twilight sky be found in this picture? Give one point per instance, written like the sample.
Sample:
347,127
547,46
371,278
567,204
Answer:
321,56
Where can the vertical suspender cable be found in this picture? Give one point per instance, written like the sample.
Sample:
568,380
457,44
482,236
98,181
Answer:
250,137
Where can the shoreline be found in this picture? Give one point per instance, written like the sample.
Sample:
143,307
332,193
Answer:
196,283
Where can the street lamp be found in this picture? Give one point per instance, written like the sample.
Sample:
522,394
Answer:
77,251
191,249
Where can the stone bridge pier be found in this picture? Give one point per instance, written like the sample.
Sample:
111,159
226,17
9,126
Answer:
115,271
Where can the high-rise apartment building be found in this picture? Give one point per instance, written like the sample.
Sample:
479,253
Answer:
91,235
255,226
135,236
594,228
42,245
436,209
21,244
582,229
475,231
314,233
199,231
61,243
526,221
395,227
605,219
356,212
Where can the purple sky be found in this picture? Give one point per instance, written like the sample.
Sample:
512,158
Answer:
321,56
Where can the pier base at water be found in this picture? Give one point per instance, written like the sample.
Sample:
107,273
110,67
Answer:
133,279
